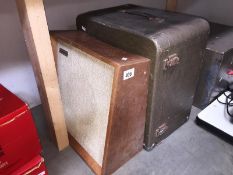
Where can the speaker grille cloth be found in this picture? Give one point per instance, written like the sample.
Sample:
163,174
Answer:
86,88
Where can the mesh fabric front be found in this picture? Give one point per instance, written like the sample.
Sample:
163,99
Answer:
86,88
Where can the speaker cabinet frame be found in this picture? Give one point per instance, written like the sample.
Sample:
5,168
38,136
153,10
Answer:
126,120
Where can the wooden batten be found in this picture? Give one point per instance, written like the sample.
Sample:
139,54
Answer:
171,5
36,33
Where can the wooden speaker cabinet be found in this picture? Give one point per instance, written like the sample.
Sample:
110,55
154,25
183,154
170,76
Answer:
104,93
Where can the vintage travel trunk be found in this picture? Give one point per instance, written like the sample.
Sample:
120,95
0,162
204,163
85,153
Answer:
218,61
174,42
104,92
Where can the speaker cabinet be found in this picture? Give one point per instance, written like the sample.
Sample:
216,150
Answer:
104,93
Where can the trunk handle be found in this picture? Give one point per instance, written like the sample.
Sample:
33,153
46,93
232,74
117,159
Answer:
148,16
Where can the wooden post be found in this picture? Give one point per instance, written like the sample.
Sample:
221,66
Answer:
36,33
171,5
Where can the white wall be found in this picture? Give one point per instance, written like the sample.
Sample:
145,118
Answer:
61,14
220,11
15,69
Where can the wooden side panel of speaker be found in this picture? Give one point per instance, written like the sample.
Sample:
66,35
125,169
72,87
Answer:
126,128
104,92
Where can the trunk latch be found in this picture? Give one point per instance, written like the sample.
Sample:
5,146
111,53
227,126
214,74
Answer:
171,61
161,130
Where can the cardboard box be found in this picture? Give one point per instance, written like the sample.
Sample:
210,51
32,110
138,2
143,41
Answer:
19,141
35,167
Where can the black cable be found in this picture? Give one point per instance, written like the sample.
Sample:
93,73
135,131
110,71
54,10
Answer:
229,104
228,112
229,100
227,97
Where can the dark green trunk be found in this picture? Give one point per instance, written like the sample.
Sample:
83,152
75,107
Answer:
174,42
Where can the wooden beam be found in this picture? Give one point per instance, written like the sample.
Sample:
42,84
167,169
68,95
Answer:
36,33
171,5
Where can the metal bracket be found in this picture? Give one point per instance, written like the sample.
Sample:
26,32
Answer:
171,61
161,130
149,148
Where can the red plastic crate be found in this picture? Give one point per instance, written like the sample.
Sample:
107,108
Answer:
19,141
35,167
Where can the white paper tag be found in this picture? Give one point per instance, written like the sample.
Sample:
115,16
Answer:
42,173
124,59
84,28
128,74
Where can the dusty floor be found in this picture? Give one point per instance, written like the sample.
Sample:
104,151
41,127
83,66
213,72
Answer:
191,150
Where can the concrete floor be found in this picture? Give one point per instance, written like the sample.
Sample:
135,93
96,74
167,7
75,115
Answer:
191,150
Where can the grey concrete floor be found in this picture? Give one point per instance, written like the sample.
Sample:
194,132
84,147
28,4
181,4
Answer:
191,150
